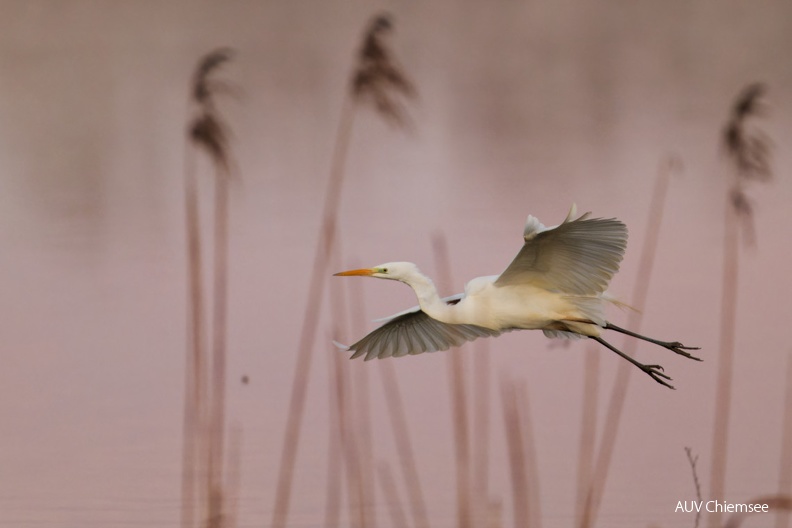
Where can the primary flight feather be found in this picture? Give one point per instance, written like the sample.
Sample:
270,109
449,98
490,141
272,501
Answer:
556,283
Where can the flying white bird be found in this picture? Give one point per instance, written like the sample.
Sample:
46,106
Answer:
556,284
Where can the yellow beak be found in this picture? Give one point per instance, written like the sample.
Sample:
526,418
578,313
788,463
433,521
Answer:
357,272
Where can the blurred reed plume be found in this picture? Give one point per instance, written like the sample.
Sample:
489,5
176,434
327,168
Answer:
375,78
599,473
748,150
693,460
379,80
204,414
207,130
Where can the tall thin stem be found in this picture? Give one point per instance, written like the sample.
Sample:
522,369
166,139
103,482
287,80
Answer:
398,419
316,290
533,496
195,367
219,331
398,518
619,392
363,409
785,464
728,316
481,425
749,151
588,429
514,443
208,132
344,400
334,467
458,394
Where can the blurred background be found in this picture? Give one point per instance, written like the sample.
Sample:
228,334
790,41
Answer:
521,108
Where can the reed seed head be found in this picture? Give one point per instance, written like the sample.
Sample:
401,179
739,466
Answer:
748,146
207,130
378,79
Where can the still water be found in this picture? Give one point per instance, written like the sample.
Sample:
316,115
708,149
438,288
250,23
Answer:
523,109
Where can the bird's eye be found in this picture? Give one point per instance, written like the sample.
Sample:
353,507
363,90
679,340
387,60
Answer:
384,270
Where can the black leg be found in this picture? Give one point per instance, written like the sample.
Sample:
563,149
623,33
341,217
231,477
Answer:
655,371
673,346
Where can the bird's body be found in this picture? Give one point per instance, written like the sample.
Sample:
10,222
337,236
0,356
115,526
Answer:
523,307
557,284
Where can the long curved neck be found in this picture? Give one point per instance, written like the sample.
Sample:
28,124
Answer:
429,299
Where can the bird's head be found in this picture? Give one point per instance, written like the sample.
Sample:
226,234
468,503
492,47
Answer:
400,271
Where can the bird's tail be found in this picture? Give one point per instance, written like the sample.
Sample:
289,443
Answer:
607,297
588,308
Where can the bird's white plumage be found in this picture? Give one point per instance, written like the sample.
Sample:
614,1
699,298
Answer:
555,283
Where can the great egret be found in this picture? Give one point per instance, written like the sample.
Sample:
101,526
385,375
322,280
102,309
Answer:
556,284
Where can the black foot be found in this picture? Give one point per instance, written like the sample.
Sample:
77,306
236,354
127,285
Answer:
680,349
657,374
673,346
655,371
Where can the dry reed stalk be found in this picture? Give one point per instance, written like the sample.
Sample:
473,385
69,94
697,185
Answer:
610,429
588,428
362,414
207,132
785,464
693,460
357,517
346,416
195,367
316,287
458,393
728,320
514,444
334,467
235,438
398,419
398,518
749,152
219,352
529,448
481,425
375,78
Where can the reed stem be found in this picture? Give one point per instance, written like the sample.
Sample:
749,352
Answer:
619,392
219,354
723,392
785,464
195,366
514,444
458,394
588,429
316,290
398,419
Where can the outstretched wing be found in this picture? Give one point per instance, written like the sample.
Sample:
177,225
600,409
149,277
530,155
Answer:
578,257
414,333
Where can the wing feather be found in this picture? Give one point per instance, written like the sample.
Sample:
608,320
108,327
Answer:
577,257
414,333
